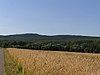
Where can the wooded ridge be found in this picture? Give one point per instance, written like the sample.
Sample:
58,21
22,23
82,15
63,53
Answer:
72,43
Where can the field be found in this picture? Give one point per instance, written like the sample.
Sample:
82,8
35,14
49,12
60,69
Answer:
38,62
12,67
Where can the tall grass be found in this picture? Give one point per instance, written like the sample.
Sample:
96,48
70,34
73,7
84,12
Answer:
11,66
56,63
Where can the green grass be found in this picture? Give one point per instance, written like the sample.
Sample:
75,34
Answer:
11,66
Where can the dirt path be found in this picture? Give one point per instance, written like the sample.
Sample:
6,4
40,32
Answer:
1,62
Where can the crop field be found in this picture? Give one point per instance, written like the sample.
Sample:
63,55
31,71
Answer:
39,62
11,66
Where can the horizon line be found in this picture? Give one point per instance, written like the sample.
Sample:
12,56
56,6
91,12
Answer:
49,34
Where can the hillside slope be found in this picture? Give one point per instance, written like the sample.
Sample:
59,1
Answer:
29,37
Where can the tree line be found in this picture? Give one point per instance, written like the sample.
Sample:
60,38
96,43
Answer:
87,46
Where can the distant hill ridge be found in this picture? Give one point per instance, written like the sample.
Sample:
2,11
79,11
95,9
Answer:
72,43
30,36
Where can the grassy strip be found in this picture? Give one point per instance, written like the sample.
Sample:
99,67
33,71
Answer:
12,67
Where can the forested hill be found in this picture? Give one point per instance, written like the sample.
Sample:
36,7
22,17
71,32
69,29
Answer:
30,37
70,43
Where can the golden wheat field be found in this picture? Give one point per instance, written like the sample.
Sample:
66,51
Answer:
38,62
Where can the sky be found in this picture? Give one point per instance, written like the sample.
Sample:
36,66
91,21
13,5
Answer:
50,17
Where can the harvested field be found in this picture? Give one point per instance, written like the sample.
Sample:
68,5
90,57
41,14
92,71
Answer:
37,62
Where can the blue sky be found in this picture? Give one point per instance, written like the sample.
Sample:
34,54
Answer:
81,17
